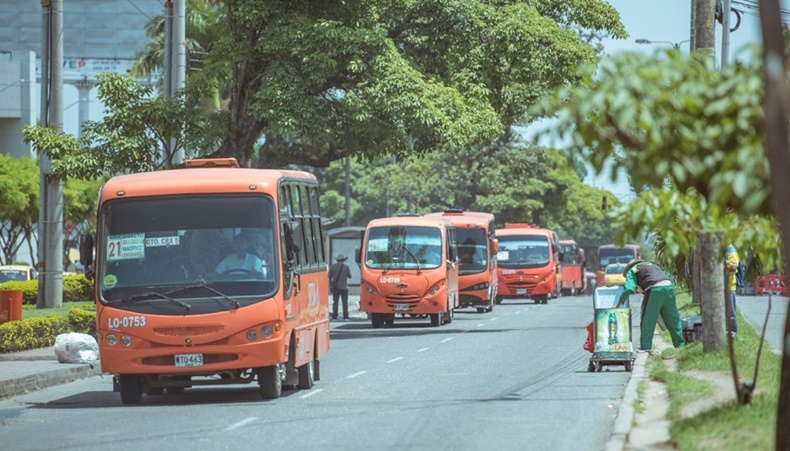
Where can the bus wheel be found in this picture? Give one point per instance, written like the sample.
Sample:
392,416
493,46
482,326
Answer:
450,316
498,300
390,320
306,376
131,390
573,290
481,310
436,319
270,382
377,320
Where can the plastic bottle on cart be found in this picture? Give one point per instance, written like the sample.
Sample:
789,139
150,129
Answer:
613,328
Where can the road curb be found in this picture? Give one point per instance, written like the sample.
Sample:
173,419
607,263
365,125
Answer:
38,380
625,415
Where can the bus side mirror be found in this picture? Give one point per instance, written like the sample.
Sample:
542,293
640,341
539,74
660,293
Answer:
358,255
86,255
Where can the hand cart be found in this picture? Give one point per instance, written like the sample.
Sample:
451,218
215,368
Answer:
611,331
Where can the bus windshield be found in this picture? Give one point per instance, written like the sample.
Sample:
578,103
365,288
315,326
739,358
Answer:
615,255
197,247
404,247
472,253
523,251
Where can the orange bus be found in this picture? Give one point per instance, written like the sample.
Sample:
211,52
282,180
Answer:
529,265
572,267
609,253
408,267
477,249
211,274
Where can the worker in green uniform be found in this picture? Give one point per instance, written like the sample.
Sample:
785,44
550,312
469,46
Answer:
659,299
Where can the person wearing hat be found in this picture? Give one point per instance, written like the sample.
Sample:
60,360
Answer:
339,273
659,299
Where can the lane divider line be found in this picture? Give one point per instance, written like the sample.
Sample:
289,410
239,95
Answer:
356,374
312,392
395,360
481,325
423,349
446,340
241,423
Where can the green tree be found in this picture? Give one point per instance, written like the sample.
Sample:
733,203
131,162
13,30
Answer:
321,81
18,203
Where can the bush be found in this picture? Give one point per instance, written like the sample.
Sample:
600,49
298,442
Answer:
83,321
76,288
32,333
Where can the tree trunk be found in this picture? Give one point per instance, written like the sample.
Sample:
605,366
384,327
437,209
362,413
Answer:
696,278
704,38
712,293
778,153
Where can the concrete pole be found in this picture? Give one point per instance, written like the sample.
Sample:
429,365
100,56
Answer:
348,192
693,34
168,50
725,33
53,262
179,46
45,167
704,39
84,103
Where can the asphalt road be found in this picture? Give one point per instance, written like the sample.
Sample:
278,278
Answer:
515,378
756,310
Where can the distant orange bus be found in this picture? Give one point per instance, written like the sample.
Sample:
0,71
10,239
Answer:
609,253
528,261
572,267
211,274
408,267
475,232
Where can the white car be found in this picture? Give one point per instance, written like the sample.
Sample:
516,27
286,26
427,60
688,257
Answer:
17,273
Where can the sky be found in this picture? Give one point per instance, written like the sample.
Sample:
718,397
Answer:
665,23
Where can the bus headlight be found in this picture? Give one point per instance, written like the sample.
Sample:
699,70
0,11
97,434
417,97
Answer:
252,334
111,339
266,331
126,340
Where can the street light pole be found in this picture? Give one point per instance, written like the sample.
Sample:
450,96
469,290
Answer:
676,45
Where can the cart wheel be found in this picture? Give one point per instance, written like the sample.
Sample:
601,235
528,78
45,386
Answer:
591,367
599,367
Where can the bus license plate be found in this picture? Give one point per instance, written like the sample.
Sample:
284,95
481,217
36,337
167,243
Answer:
187,360
521,291
401,307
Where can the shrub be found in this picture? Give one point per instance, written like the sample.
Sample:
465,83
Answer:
32,333
83,321
76,288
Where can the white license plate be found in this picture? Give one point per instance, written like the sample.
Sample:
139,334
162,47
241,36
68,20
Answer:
521,291
186,360
400,307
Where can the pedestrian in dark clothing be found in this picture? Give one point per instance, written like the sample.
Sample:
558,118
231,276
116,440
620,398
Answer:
339,273
659,299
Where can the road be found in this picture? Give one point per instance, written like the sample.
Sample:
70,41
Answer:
755,308
515,378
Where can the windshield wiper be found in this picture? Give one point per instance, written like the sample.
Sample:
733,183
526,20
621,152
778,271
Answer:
416,260
141,296
236,303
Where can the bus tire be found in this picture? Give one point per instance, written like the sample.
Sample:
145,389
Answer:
498,300
270,382
449,316
307,376
436,319
377,320
317,369
131,389
490,306
481,310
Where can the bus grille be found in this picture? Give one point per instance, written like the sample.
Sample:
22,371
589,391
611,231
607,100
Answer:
188,331
221,342
527,285
410,299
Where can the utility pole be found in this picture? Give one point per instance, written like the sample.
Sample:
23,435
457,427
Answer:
693,34
348,192
179,58
711,266
50,230
725,32
704,39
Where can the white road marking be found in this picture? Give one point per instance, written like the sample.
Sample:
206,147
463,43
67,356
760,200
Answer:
481,325
446,340
395,360
518,311
423,349
241,423
312,392
492,319
356,374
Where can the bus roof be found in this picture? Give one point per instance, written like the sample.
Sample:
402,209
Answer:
420,221
465,218
614,246
198,180
515,231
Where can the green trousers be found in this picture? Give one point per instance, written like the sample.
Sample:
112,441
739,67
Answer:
660,301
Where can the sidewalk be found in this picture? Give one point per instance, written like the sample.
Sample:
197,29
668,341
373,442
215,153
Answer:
26,371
